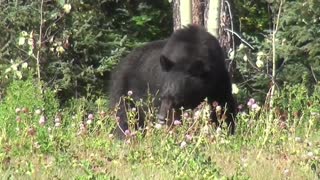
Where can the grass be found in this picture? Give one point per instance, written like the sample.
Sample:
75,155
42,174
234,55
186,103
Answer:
76,148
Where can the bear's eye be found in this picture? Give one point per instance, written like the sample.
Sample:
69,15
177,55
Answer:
166,64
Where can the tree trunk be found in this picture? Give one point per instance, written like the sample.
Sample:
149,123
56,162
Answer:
198,12
176,14
226,36
218,21
212,16
182,15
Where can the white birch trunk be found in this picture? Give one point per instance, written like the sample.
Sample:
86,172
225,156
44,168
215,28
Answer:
185,12
213,17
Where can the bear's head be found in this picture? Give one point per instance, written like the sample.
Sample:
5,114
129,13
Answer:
186,84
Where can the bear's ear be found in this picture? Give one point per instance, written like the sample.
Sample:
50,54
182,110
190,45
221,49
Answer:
166,64
198,69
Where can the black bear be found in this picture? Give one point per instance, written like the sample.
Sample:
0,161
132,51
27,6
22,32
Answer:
181,71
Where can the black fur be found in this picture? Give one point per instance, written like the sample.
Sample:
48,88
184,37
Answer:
184,70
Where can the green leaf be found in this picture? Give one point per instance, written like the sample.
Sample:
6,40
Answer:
30,52
19,74
61,2
7,70
14,67
24,65
21,40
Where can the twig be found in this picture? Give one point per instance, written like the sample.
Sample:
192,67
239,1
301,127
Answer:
58,19
4,47
271,92
232,29
313,74
244,41
274,56
39,48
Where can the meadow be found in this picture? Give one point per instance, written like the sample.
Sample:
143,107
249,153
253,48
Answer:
40,140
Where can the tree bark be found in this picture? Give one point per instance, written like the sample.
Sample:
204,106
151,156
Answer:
176,14
198,12
212,16
226,38
182,13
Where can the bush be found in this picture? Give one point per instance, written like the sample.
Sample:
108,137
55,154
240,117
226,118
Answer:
80,41
24,104
297,53
299,41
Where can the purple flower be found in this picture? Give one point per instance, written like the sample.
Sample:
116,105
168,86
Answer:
177,122
240,107
215,104
251,102
188,137
255,107
90,116
42,120
127,132
183,144
186,115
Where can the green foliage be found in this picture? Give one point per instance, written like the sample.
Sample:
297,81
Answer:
296,53
22,100
253,67
305,108
253,16
253,81
81,41
299,42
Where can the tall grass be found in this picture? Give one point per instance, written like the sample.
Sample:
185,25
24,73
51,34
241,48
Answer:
76,142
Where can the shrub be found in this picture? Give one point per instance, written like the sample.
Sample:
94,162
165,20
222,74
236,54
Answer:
25,104
80,41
